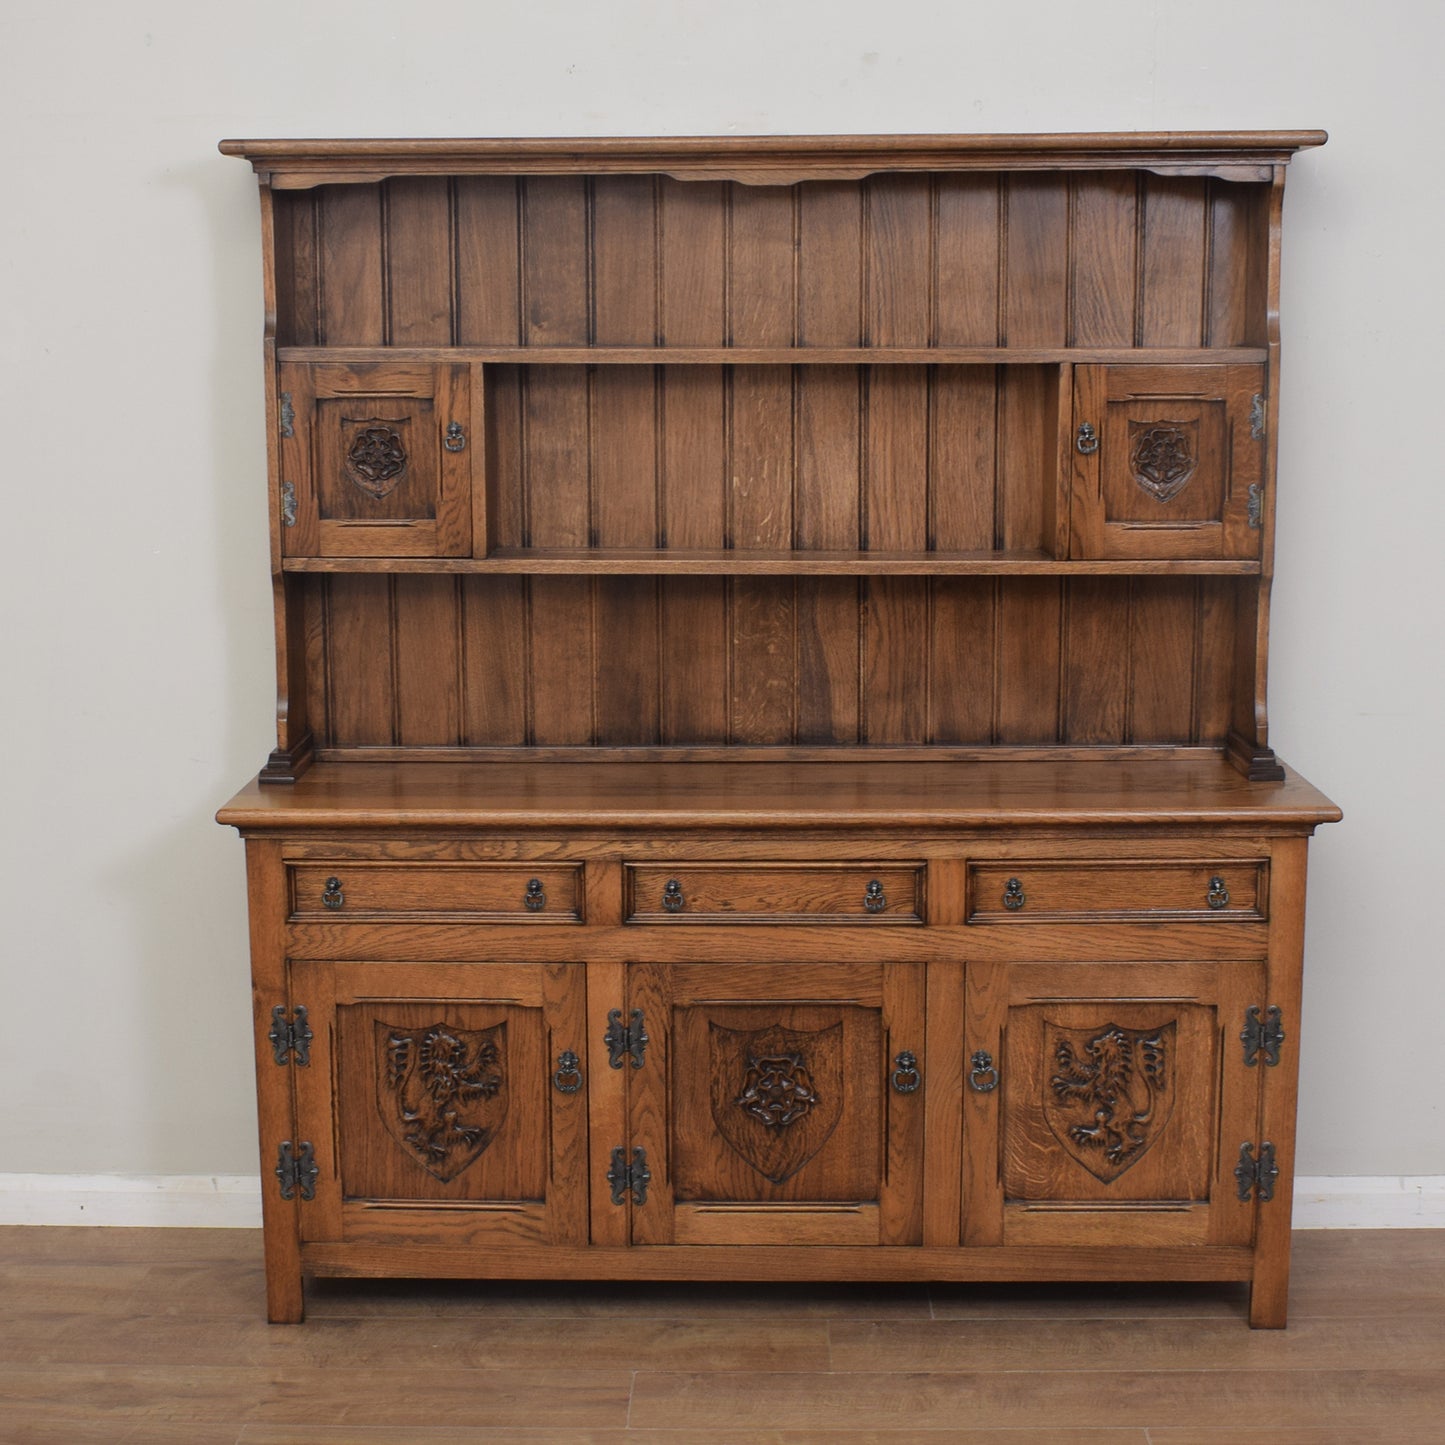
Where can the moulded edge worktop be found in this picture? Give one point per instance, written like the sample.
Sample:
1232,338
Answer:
778,795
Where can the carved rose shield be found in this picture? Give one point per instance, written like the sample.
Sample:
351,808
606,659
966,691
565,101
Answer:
442,1092
1109,1093
777,1094
376,458
1163,456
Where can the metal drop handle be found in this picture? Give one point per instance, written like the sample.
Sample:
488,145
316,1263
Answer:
906,1077
568,1076
1218,895
333,897
874,899
1014,897
982,1076
672,899
1087,440
456,438
535,898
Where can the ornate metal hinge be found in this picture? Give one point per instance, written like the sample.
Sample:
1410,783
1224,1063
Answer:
296,1169
290,1038
288,504
288,416
1256,1176
624,1040
1256,417
1262,1035
1254,505
623,1176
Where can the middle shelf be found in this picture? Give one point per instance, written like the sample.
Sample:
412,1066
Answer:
789,469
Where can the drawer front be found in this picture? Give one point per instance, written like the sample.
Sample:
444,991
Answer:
774,893
1041,891
484,892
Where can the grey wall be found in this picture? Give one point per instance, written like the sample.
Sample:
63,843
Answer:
136,656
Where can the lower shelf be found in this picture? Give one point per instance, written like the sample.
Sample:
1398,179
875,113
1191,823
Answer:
739,562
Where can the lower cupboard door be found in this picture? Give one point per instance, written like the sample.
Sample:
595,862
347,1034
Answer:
779,1105
1113,1103
431,1106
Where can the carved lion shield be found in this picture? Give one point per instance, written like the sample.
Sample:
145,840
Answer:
1110,1093
442,1092
777,1094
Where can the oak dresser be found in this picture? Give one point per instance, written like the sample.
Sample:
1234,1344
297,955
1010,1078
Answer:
772,776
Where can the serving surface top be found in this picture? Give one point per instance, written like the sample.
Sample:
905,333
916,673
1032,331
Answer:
778,795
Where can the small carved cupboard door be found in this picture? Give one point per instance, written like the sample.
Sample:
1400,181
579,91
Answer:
1168,461
1108,1103
439,1105
376,459
780,1105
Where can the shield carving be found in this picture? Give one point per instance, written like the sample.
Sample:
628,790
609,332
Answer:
376,458
1163,456
441,1092
777,1094
1112,1094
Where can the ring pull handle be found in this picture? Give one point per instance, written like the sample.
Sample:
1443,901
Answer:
333,897
456,438
568,1076
874,899
1218,895
535,898
672,899
982,1076
906,1077
1087,440
1014,897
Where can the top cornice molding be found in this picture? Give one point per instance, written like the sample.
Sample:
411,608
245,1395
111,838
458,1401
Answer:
774,160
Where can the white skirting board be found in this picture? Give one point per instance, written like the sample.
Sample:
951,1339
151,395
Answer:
233,1201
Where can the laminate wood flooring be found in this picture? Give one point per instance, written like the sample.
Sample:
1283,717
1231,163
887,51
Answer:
156,1337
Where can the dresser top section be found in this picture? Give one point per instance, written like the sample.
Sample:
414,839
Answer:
778,795
774,160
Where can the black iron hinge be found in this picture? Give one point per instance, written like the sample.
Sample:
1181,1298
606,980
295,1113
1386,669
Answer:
1256,1176
624,1040
293,1037
624,1176
1262,1036
296,1169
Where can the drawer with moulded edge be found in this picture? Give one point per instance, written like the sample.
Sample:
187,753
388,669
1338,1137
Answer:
1082,891
860,893
342,889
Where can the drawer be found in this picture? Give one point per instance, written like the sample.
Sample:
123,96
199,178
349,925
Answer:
1041,891
774,893
490,892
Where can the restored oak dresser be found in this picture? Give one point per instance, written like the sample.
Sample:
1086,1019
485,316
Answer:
772,775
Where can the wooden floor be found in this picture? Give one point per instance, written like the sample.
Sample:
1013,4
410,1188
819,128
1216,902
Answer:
156,1337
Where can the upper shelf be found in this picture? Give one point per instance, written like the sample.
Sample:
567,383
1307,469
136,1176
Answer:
781,355
774,160
757,562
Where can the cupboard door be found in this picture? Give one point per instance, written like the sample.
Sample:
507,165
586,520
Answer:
378,461
1168,461
1112,1105
776,1105
431,1106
